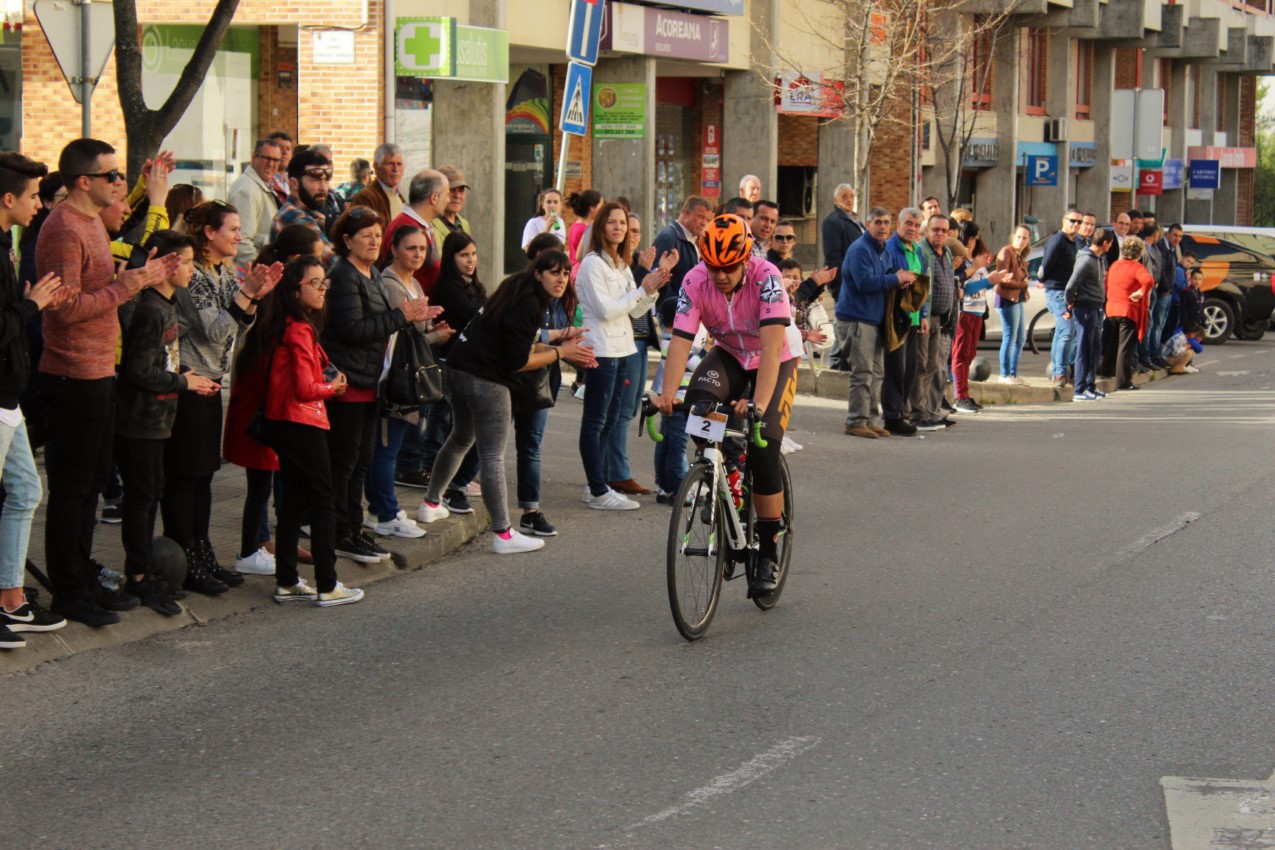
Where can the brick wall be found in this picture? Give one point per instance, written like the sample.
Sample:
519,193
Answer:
1127,67
581,149
891,176
276,105
341,105
798,140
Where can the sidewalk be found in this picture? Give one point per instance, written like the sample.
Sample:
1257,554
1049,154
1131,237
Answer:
229,485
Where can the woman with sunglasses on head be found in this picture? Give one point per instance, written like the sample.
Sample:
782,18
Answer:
409,247
608,298
497,345
211,318
360,322
741,300
300,379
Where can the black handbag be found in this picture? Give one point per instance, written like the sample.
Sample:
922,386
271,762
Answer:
532,391
413,377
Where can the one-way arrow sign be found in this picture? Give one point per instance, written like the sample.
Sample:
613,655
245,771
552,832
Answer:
575,99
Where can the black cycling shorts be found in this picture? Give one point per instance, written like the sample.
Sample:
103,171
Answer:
720,377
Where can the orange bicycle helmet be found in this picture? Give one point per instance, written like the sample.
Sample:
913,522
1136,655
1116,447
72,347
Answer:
725,242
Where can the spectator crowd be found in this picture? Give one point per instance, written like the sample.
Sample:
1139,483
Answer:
363,352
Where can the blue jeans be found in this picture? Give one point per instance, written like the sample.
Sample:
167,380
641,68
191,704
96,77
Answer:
1146,350
1013,335
670,454
22,496
1088,319
615,452
601,413
1155,329
382,500
529,432
1063,349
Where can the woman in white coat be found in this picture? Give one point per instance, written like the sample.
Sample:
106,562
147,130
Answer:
608,297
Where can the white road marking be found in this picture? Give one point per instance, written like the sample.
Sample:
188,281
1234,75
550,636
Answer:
732,781
1219,814
1232,374
1151,538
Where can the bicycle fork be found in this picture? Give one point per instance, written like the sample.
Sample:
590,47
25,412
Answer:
732,525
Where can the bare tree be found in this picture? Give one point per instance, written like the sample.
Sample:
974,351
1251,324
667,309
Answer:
145,128
888,58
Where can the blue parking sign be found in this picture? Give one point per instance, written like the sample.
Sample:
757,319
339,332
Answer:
1042,171
575,99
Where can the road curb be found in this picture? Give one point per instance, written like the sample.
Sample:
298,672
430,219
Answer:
442,539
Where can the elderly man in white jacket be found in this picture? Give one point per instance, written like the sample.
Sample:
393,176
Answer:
252,196
608,298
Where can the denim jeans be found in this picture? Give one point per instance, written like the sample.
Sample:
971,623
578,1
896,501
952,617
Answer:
1088,319
420,448
670,454
22,496
615,451
1146,351
1063,349
601,414
1155,329
1013,335
481,412
382,500
529,433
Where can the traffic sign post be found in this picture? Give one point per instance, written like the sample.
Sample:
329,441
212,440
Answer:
67,26
584,39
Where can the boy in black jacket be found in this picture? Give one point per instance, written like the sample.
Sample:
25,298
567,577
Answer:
150,377
19,304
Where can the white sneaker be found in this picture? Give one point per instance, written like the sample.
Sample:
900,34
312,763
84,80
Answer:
429,513
579,393
1191,369
340,595
612,501
587,495
517,542
790,445
400,526
259,563
1005,379
370,522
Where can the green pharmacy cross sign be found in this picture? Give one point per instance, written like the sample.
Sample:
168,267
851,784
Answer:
440,48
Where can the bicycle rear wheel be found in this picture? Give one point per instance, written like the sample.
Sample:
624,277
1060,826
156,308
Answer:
696,553
768,601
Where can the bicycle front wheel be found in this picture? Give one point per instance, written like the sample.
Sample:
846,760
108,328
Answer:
768,601
696,553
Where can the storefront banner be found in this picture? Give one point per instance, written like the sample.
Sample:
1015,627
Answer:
1205,173
440,48
619,110
717,7
1121,175
711,165
981,153
660,32
1151,182
1174,174
1228,157
1083,155
809,95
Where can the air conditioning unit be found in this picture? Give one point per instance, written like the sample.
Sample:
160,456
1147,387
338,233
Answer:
1055,129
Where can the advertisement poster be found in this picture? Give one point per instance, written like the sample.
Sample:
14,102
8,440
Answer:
711,178
619,110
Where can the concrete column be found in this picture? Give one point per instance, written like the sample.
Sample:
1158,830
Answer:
1226,200
836,166
469,122
750,124
1093,186
995,188
1199,212
1050,201
627,166
1171,206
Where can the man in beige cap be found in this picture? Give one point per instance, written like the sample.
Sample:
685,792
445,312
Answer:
451,220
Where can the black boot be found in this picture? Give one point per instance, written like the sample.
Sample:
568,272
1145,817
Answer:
198,578
230,578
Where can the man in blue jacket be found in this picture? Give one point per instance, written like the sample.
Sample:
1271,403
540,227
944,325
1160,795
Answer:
1055,270
865,277
681,235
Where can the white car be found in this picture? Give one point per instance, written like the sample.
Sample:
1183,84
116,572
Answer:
1040,322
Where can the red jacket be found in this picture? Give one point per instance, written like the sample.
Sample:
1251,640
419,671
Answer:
246,395
297,388
1124,278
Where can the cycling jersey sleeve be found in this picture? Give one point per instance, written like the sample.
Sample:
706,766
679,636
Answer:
774,308
686,322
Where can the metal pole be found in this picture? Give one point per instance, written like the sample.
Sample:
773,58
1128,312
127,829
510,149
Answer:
562,162
86,85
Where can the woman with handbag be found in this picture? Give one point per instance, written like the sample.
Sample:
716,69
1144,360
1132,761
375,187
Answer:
609,297
482,370
408,249
299,381
1011,294
360,322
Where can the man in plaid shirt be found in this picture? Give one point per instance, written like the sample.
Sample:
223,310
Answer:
309,181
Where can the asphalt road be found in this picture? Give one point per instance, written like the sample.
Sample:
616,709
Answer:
1000,636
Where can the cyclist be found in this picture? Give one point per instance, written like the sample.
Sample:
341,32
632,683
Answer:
742,302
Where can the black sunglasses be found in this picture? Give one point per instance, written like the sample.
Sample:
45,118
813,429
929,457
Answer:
112,176
785,238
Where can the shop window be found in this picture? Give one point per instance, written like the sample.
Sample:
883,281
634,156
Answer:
1035,58
1084,79
10,96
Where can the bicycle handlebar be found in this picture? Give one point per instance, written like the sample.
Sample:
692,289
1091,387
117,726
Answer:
753,416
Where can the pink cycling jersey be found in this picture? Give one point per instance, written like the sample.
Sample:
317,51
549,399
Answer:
735,325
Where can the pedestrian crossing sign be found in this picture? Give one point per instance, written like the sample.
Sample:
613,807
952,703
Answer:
575,99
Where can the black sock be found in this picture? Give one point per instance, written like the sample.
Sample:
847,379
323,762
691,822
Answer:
768,538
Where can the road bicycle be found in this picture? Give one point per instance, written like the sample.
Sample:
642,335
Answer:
712,531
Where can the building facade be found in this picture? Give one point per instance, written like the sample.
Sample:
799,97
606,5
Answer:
687,98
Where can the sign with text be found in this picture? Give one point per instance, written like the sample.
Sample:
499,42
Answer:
1042,171
575,99
1174,173
584,30
619,110
440,48
808,94
711,166
1205,174
662,32
1121,175
1226,157
1151,182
